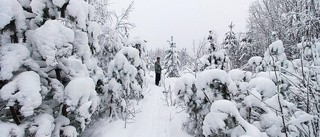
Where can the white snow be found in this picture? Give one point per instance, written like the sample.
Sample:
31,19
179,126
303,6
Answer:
9,10
256,60
9,129
205,78
25,89
95,31
37,7
276,50
81,97
236,75
12,56
220,110
264,86
182,88
52,40
6,13
80,10
59,3
42,125
80,43
75,67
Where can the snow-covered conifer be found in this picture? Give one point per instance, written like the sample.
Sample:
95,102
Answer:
185,91
124,72
231,46
216,58
53,39
172,60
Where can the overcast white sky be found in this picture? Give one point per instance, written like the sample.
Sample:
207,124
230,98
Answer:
186,20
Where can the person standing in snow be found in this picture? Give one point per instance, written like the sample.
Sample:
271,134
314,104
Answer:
158,70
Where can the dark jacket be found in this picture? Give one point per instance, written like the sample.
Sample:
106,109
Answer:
157,67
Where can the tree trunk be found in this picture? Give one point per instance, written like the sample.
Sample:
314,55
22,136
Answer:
14,115
64,107
63,10
64,110
58,74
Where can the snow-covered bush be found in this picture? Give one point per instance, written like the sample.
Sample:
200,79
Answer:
256,64
50,48
124,72
214,84
81,100
42,126
13,58
290,80
275,56
12,23
214,60
197,94
23,91
134,58
224,119
276,99
140,45
185,91
9,129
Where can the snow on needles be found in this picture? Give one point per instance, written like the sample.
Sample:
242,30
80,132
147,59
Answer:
42,125
12,56
264,86
52,39
82,97
205,78
11,10
221,110
25,89
59,3
80,10
183,87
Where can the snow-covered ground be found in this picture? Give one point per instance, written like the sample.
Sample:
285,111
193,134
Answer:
154,118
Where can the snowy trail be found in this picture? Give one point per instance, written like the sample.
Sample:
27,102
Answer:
155,118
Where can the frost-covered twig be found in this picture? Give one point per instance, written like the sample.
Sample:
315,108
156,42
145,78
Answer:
278,92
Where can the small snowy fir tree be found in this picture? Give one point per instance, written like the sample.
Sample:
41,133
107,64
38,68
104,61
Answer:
215,58
172,60
124,72
231,46
198,95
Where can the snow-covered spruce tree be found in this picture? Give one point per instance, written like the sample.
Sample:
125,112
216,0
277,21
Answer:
122,82
216,58
198,95
185,91
52,53
140,45
172,61
231,46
